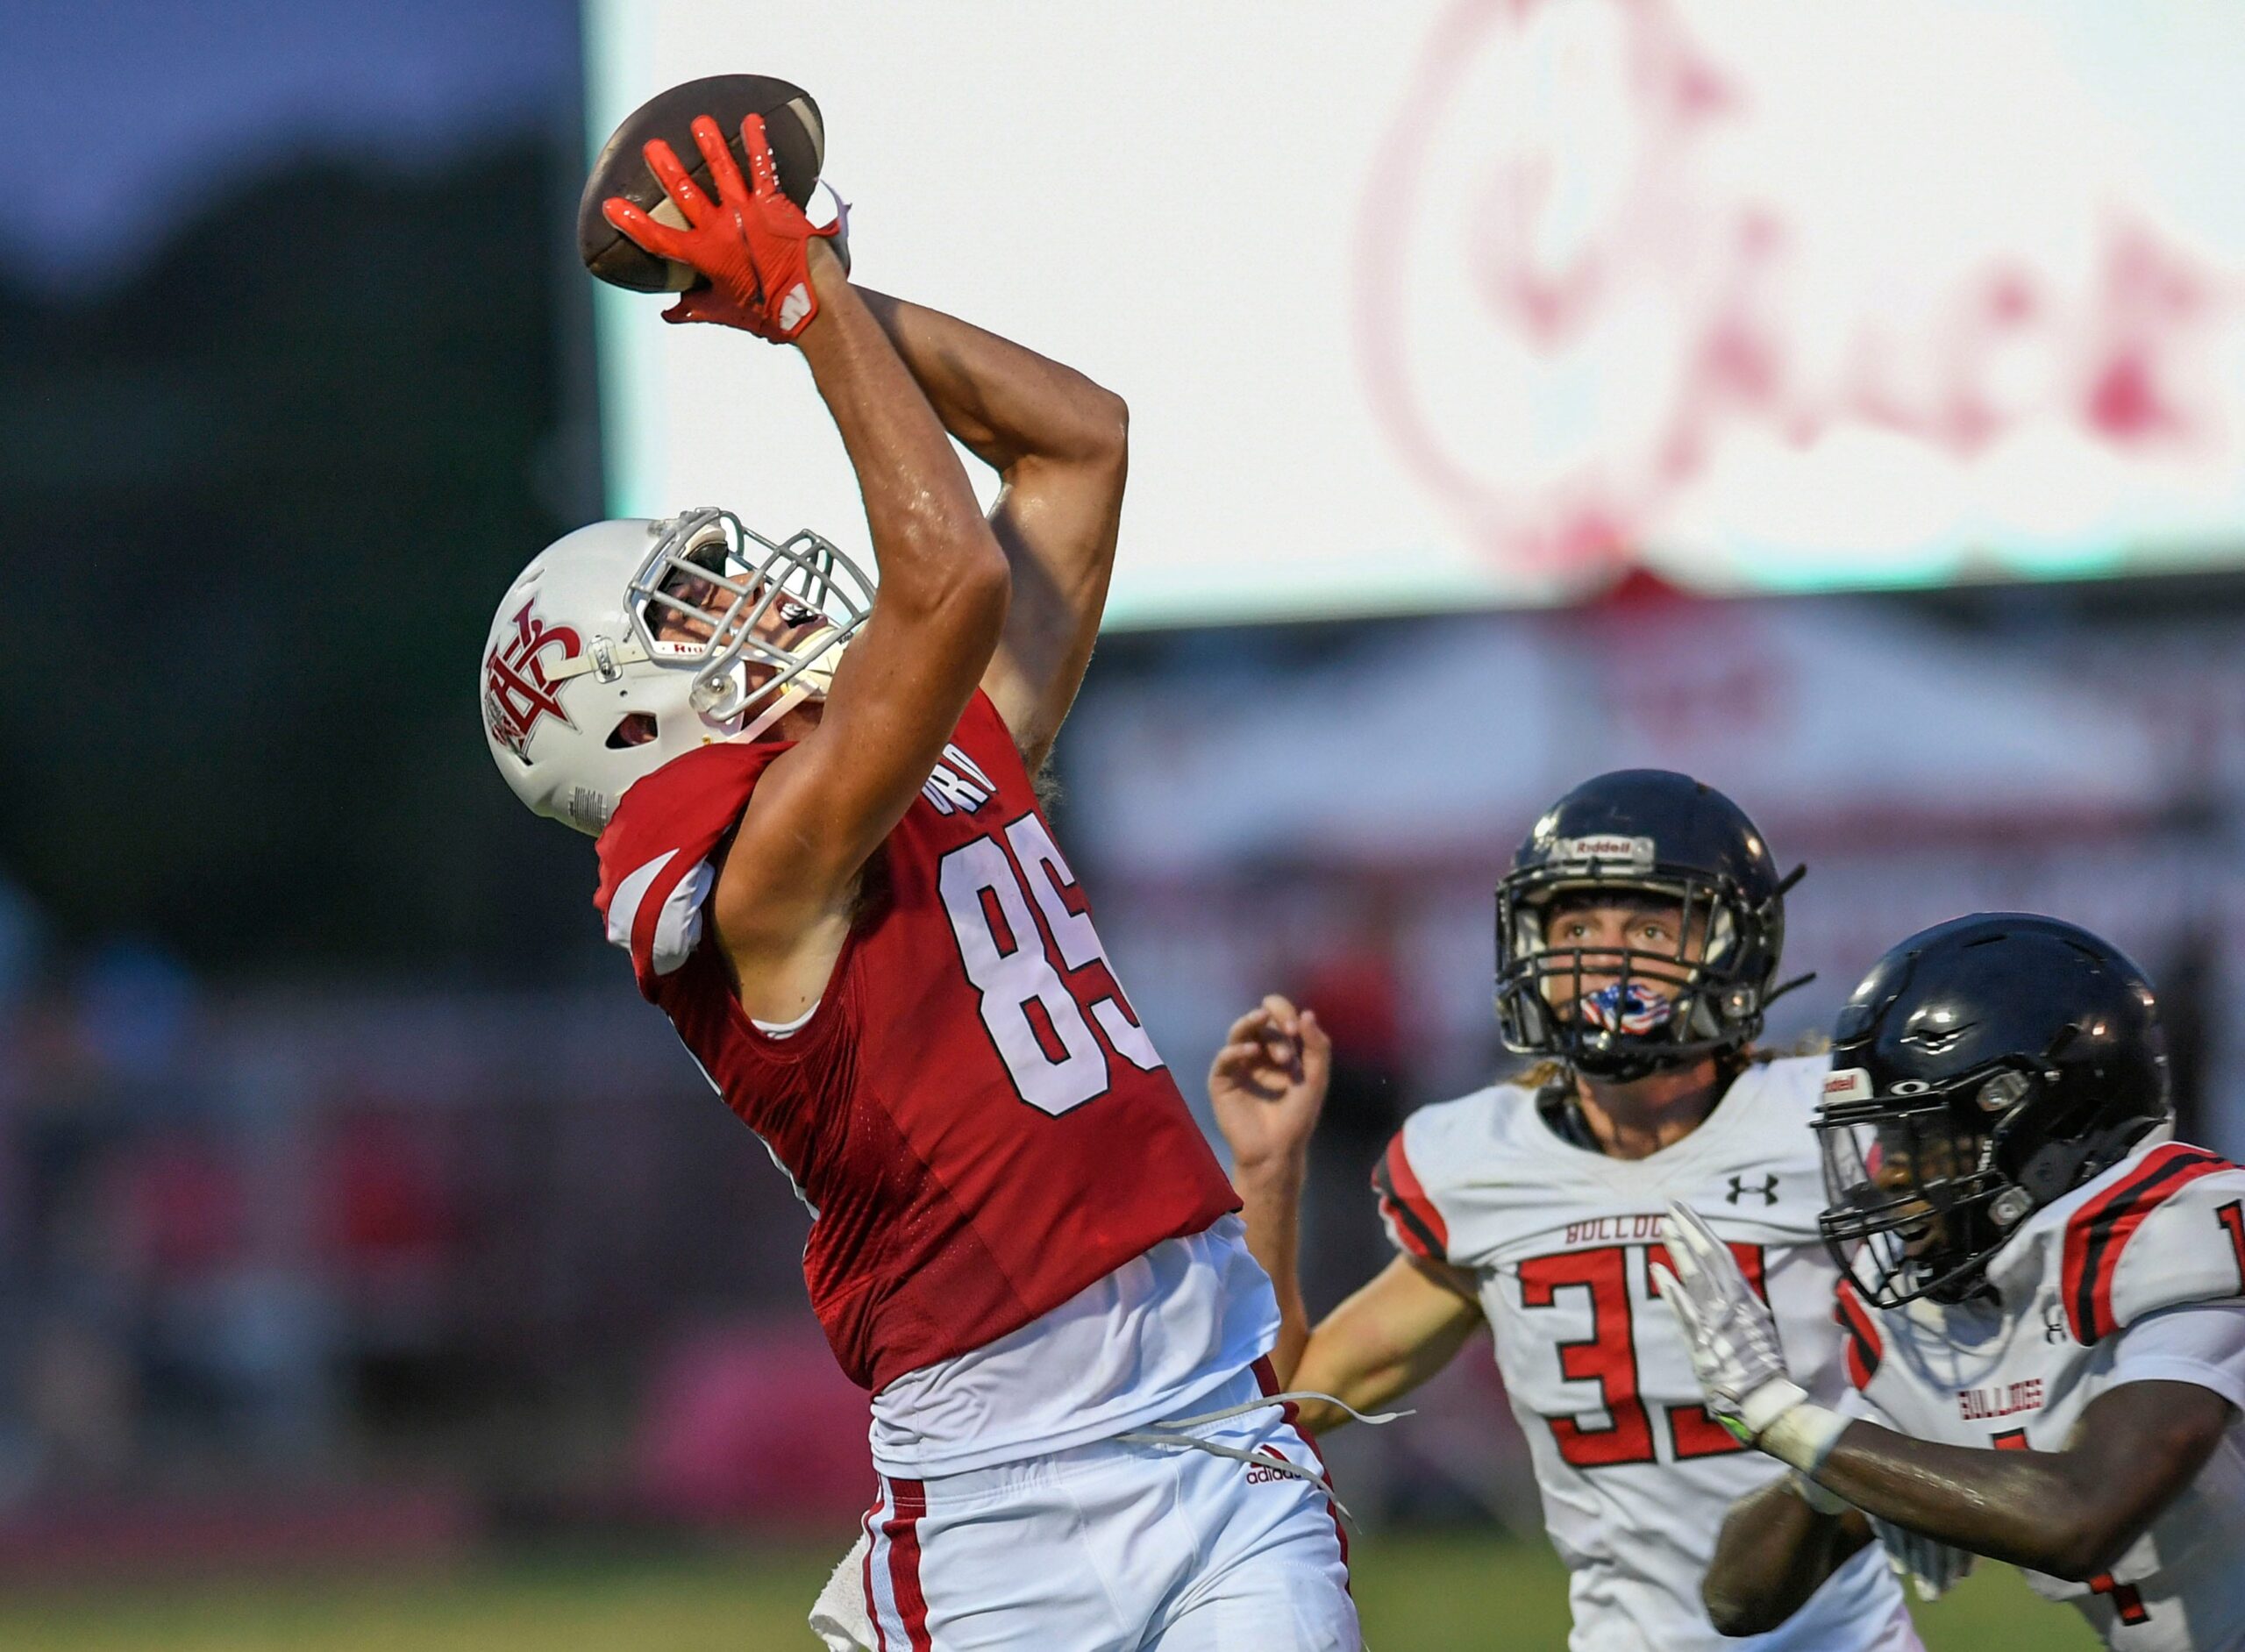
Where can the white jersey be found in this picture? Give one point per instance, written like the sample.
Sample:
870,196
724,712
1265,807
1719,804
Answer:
1636,1475
2134,1276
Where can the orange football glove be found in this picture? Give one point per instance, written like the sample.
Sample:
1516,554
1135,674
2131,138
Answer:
751,243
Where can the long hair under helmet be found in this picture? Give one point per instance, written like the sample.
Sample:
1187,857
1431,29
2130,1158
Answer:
1620,1013
580,697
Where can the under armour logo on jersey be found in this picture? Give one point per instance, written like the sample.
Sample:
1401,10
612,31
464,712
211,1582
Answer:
516,690
957,785
2054,1324
1768,1190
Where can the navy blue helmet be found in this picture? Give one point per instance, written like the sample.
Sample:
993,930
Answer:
1983,1068
1621,1012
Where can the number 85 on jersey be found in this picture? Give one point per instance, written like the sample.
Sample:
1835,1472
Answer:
1040,1020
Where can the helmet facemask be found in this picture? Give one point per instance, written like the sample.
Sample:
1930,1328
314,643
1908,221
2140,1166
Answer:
1976,1155
627,644
1618,1014
1917,1194
737,667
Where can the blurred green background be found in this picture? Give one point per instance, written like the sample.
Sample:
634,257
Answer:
1424,1593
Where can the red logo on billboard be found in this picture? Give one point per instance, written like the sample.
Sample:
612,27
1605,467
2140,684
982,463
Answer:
1513,237
516,690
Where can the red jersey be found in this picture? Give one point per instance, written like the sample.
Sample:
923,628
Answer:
973,1114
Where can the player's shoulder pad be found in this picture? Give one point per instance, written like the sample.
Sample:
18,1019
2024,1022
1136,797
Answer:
2168,1229
1437,1149
655,869
1778,1100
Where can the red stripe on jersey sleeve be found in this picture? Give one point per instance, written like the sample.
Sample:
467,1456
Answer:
648,920
1404,1202
2097,1233
1865,1348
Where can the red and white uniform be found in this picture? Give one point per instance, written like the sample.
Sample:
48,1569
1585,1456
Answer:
2138,1275
1635,1476
1021,1242
1119,1546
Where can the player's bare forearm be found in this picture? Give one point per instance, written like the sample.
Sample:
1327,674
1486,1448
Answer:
1267,1087
2067,1513
1775,1551
1060,444
1386,1340
1005,402
2028,1507
923,515
900,690
1270,1198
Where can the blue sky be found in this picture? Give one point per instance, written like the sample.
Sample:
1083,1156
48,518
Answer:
120,117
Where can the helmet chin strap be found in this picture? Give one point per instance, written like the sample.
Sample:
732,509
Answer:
815,678
1621,1067
780,708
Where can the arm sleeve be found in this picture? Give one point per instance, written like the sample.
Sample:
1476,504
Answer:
659,856
2201,1343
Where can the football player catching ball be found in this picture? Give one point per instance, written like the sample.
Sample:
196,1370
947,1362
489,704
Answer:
819,843
2045,1298
1638,936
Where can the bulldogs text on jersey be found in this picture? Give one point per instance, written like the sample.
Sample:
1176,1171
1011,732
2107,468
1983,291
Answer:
2138,1275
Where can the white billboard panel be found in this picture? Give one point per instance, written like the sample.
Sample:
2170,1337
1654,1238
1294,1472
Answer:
1454,302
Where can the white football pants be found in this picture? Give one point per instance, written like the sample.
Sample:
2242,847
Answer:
1115,1547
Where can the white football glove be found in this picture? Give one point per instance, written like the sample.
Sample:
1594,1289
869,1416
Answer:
1732,1341
1932,1566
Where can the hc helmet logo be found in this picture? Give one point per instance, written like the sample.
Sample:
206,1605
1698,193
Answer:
516,692
1767,1191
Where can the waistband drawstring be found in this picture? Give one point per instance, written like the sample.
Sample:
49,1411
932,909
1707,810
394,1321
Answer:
1171,1433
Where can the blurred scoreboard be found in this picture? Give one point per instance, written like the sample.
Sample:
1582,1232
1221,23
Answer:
1449,302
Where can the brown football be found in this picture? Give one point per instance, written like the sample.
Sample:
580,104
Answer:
792,126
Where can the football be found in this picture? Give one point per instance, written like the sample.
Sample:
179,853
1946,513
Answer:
791,125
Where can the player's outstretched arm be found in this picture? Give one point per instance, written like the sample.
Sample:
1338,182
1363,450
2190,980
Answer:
2071,1514
1267,1086
825,806
1058,442
1392,1335
1774,1552
781,906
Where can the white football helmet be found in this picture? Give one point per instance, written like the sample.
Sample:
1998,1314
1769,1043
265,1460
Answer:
580,698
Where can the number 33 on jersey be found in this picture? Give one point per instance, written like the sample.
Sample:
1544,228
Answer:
1636,1475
